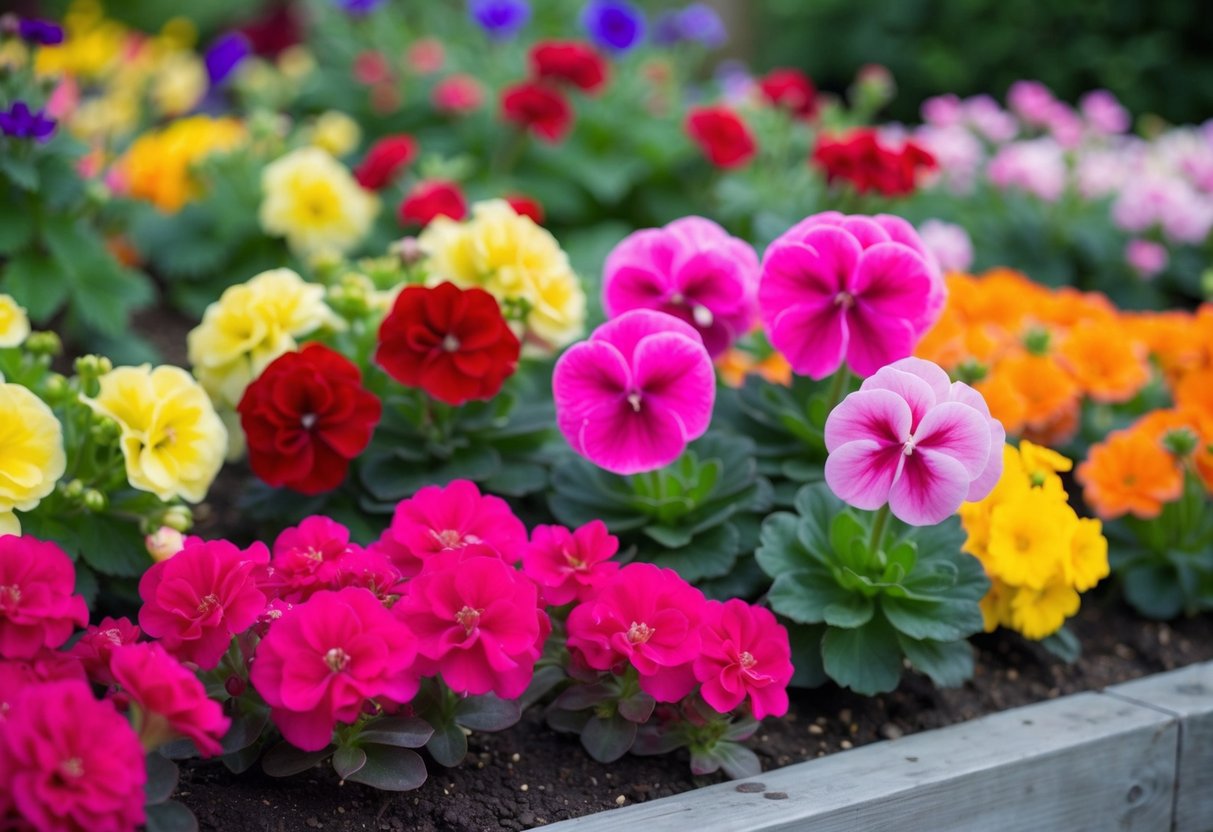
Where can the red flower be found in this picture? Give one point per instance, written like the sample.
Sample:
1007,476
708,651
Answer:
571,62
305,417
722,136
792,90
452,343
384,160
457,94
525,206
539,108
433,198
862,159
371,68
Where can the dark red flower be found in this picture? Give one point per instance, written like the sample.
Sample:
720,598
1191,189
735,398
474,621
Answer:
384,160
525,206
571,62
305,417
452,343
868,164
275,31
722,136
429,199
538,108
791,90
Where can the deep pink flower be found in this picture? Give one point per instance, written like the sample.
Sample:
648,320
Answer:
308,557
913,439
436,519
691,269
372,571
323,659
570,564
69,763
171,701
94,648
47,666
195,601
649,617
745,653
858,289
38,604
477,621
631,397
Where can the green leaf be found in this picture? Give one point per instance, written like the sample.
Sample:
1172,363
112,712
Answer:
388,477
162,776
546,678
737,761
284,759
21,172
16,222
487,712
637,708
865,659
608,739
948,663
853,610
348,760
1153,590
37,282
400,731
710,555
111,546
817,507
805,640
1064,645
779,551
449,745
804,595
668,536
391,769
936,620
171,816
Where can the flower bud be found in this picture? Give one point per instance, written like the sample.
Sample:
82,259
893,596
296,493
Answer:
94,501
1037,341
1181,442
43,343
164,543
235,686
408,250
73,490
93,366
971,371
179,518
55,388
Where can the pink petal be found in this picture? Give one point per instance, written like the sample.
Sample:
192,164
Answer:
711,279
958,431
813,337
929,372
958,391
675,372
308,730
669,684
931,487
878,415
911,389
588,376
865,230
626,331
861,473
984,482
893,281
625,441
818,267
875,341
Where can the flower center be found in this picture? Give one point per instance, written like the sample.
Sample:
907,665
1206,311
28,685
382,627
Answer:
308,420
677,298
10,596
112,635
573,562
450,343
908,447
468,619
449,538
337,659
72,767
208,603
312,554
634,401
702,315
844,299
640,633
746,660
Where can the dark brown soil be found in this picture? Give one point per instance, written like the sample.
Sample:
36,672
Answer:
530,776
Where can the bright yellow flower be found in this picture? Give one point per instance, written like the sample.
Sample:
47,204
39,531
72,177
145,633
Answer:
1041,465
1087,564
172,438
336,133
1038,613
996,606
9,524
1030,539
158,167
179,83
92,44
31,449
14,323
312,200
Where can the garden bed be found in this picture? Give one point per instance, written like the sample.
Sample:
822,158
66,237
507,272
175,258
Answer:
530,776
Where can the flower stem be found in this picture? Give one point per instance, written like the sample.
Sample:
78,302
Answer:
839,386
882,517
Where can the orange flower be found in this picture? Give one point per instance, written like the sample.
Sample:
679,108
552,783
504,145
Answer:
1170,337
1130,472
735,364
1006,403
1104,363
1067,307
1195,391
1049,394
1158,424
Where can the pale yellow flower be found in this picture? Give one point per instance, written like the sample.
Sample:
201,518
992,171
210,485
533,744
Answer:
172,439
336,133
179,83
311,199
14,323
9,524
557,301
31,449
296,62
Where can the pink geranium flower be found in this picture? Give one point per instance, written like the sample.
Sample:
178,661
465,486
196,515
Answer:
854,289
691,269
631,397
323,659
171,702
477,621
911,438
570,564
69,763
94,648
437,519
38,604
308,557
195,601
372,571
648,617
745,653
47,666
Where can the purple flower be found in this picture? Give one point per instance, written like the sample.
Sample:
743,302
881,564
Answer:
500,18
225,54
358,7
613,24
697,23
43,32
19,122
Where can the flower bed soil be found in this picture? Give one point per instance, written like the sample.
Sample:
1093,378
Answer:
530,776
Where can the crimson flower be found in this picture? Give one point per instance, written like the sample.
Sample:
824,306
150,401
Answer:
861,158
525,206
722,136
569,62
386,158
539,108
430,199
790,89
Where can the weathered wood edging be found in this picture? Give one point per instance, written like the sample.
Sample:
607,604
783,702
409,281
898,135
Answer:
1136,756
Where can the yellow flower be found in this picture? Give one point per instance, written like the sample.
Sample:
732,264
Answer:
31,449
312,200
557,301
336,133
1087,564
1041,466
1038,613
172,439
14,323
996,606
179,83
91,46
9,524
158,167
1030,539
296,62
249,326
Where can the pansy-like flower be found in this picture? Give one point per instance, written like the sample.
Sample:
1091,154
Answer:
500,19
569,62
225,54
722,135
308,558
20,122
431,199
41,32
913,439
631,397
539,108
691,269
323,659
38,605
570,564
613,24
853,289
384,161
745,653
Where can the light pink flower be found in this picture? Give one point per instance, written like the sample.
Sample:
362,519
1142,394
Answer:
1064,125
943,111
1032,101
171,701
438,519
195,601
691,269
1146,258
307,558
989,119
840,288
38,604
69,763
1037,166
1104,113
949,244
94,648
648,617
570,564
958,152
477,621
631,397
911,438
323,659
745,653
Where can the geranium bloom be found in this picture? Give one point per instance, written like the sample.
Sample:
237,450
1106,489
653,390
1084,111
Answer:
312,200
722,135
31,449
693,23
477,621
323,659
869,164
539,108
569,62
195,601
431,199
645,616
913,440
1106,365
95,647
858,289
691,269
306,417
308,557
18,674
384,161
171,701
570,564
631,397
451,342
456,517
38,607
613,24
791,90
745,653
69,763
